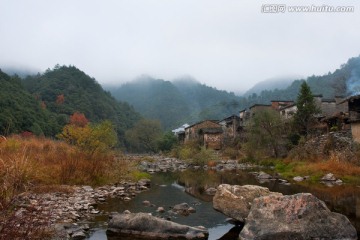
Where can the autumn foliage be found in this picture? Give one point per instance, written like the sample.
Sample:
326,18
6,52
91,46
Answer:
78,119
60,99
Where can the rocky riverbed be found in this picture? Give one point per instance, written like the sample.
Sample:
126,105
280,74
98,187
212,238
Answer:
68,211
164,164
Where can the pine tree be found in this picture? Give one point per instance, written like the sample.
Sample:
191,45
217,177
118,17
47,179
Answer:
306,110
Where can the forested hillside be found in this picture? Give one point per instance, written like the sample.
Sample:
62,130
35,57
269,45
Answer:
65,90
341,82
186,100
21,112
43,103
175,103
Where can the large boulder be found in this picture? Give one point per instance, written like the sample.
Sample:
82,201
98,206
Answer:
144,226
235,201
299,216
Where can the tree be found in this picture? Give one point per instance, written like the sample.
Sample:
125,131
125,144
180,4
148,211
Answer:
167,141
91,138
266,132
78,119
143,137
60,99
304,118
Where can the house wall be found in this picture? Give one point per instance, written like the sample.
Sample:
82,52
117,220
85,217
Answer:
288,112
355,130
276,105
230,126
213,141
328,108
257,109
192,132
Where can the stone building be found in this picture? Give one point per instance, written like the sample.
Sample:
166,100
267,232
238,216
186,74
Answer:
353,104
208,133
231,128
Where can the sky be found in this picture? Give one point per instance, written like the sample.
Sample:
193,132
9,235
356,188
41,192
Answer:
227,44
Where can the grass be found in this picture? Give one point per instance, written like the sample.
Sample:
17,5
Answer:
43,165
32,162
288,169
137,175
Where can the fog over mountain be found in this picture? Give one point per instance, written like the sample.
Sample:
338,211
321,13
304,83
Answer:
229,45
272,84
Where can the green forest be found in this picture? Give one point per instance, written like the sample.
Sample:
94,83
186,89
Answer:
42,104
188,101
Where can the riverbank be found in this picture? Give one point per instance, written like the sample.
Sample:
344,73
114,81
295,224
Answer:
34,171
314,171
64,211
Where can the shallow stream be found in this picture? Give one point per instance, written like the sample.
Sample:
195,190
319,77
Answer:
169,189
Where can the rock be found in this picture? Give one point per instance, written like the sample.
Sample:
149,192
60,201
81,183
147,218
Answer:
144,182
299,216
131,226
235,201
264,175
183,209
191,210
93,211
211,191
298,179
339,182
233,221
88,188
146,203
78,235
160,210
329,177
127,212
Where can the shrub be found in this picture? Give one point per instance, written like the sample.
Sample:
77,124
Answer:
231,153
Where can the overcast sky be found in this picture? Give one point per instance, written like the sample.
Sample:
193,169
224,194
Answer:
227,44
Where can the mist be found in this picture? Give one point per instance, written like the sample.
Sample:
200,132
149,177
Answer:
230,45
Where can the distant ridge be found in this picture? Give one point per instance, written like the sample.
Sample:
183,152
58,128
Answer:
271,84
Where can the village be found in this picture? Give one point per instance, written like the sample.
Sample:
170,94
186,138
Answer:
338,114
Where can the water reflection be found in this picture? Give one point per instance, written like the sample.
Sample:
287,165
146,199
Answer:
344,199
168,189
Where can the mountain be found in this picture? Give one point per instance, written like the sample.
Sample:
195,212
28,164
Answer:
65,90
344,81
21,112
187,101
174,103
22,72
271,84
154,99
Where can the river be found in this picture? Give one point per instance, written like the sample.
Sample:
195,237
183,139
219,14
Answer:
169,189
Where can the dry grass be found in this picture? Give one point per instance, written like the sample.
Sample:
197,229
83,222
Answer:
339,168
45,165
29,162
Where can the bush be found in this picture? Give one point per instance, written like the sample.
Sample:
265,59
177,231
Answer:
204,156
231,153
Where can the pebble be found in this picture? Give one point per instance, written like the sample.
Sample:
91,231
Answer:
74,206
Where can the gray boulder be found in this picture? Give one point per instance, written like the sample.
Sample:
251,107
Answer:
298,179
210,191
183,209
144,226
329,177
299,216
235,201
